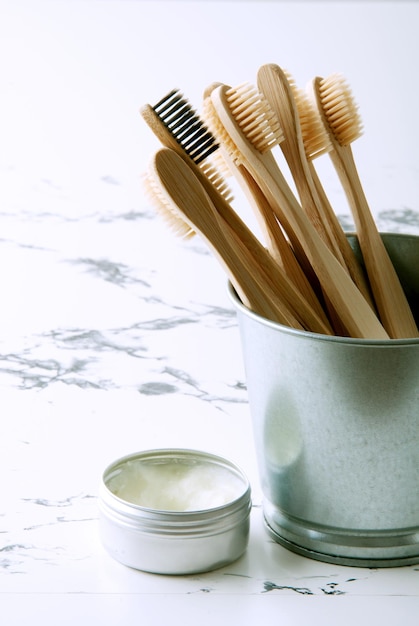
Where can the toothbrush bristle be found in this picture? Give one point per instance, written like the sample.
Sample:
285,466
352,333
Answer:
218,129
217,180
315,137
218,158
219,162
255,117
172,218
340,109
185,126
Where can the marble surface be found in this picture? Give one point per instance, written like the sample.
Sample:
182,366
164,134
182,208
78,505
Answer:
115,336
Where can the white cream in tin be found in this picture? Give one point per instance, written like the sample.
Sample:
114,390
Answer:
175,484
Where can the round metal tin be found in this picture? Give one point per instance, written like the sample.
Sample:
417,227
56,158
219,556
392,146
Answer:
174,541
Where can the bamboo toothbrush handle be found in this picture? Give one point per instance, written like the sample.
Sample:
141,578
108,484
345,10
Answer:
158,128
276,88
350,261
284,254
287,279
184,190
349,309
258,292
240,269
354,312
282,292
390,298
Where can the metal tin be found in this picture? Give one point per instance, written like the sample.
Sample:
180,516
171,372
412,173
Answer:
166,541
336,427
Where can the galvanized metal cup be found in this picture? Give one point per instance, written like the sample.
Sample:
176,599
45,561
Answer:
336,427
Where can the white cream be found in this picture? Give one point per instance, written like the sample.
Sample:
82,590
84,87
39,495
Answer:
176,485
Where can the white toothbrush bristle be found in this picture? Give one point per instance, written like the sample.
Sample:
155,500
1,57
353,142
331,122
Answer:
255,117
216,178
215,125
340,109
172,218
315,136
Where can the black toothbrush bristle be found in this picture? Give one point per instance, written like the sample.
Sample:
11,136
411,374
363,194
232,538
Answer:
185,126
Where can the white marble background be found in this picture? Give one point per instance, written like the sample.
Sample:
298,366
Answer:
114,335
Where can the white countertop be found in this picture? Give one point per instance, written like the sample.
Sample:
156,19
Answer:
117,337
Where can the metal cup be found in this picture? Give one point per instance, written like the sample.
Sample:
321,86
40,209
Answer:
336,429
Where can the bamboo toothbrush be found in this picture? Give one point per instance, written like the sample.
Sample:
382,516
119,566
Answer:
177,126
270,227
241,123
189,207
282,94
339,113
285,254
316,143
279,246
182,191
274,84
174,122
